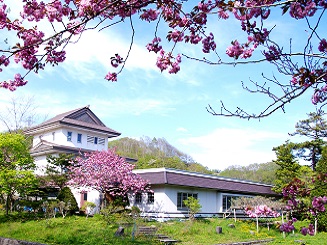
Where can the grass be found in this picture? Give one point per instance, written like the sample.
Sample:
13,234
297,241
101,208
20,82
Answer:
79,230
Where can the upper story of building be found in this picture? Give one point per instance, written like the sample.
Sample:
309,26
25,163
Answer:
79,130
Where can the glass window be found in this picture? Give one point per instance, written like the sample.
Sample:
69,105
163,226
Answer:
150,197
69,136
138,198
79,138
53,136
85,196
95,140
227,202
181,196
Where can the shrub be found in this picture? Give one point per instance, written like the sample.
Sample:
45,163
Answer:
67,196
193,206
88,208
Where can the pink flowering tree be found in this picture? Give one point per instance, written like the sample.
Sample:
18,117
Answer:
107,173
44,29
301,203
258,207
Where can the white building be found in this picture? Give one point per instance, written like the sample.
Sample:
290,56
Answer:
170,187
80,130
72,132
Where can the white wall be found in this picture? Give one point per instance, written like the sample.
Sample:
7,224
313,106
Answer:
92,196
59,136
165,201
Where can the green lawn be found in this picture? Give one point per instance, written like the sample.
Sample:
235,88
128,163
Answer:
79,230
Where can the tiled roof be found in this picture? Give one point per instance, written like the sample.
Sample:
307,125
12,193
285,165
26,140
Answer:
198,180
81,117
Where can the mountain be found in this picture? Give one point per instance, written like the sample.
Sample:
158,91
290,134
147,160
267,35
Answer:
156,152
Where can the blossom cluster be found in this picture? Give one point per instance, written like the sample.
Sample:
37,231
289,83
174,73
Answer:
288,226
310,230
35,49
105,171
318,205
260,211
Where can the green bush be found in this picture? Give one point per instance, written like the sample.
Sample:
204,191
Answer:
67,196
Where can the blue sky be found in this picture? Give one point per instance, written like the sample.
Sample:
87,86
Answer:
146,102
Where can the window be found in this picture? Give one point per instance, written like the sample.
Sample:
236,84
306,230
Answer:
150,197
90,139
101,141
227,202
69,136
79,138
138,198
181,196
95,140
85,196
53,136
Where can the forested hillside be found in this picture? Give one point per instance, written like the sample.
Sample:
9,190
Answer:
156,153
264,172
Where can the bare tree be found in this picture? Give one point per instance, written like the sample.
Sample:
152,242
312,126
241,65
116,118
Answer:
19,113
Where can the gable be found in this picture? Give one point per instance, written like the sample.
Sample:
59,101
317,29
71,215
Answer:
81,117
85,115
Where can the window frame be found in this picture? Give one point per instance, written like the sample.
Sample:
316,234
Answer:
227,201
150,198
138,198
181,196
69,135
79,138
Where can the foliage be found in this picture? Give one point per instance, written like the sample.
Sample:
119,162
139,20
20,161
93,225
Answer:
106,172
193,206
320,187
88,208
289,168
263,172
57,169
114,215
155,153
67,197
16,166
314,128
78,230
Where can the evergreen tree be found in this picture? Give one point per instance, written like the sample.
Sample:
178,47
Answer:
288,169
320,187
57,169
67,196
314,128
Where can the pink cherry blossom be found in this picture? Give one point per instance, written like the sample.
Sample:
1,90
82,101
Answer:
106,172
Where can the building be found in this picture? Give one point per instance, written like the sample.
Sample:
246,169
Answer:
170,187
72,132
80,130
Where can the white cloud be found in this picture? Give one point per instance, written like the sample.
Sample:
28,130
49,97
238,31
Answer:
181,129
123,106
98,47
227,146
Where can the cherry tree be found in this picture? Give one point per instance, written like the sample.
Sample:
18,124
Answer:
45,28
107,173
